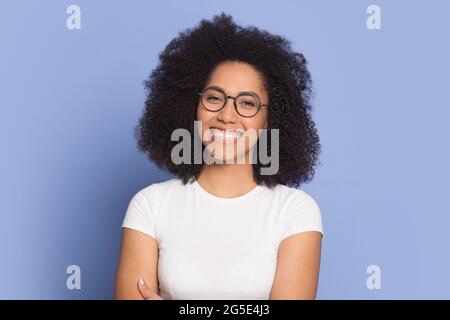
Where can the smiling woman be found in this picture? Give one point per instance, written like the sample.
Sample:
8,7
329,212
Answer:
225,230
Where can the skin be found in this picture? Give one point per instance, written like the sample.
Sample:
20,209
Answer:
298,260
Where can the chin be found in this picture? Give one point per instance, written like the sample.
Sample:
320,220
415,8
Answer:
226,153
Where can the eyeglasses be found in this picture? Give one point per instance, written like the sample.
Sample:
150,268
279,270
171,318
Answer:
247,104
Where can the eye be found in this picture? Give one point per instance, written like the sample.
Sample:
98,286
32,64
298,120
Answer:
213,99
247,104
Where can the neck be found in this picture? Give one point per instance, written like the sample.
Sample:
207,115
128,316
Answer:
227,180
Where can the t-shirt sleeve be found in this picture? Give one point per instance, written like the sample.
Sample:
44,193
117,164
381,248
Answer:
303,215
139,215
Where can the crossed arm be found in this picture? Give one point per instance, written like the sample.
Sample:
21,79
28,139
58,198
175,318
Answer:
137,273
296,276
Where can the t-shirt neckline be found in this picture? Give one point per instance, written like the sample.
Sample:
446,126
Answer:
247,195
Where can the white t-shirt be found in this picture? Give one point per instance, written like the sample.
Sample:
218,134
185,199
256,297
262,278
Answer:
219,248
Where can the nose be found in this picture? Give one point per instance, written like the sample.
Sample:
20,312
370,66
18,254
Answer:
228,113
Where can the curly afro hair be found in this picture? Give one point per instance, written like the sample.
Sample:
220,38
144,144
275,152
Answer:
183,70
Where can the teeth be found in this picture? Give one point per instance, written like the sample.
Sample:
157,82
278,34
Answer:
226,135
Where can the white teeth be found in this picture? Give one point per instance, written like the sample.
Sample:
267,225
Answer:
226,135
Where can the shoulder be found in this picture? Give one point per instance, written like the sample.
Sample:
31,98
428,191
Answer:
157,190
295,197
300,211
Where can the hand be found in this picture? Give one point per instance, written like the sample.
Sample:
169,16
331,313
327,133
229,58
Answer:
146,293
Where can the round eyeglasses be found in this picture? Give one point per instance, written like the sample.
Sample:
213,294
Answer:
246,104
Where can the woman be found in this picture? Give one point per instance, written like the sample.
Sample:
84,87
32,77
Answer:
225,230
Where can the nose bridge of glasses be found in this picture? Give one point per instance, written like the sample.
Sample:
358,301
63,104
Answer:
229,99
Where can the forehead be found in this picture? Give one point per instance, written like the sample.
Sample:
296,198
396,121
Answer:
235,77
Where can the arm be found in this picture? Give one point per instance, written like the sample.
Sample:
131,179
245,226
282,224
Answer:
298,265
138,259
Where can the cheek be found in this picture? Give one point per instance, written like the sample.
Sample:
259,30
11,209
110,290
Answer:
203,115
255,123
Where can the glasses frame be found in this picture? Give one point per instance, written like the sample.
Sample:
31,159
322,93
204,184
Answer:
234,100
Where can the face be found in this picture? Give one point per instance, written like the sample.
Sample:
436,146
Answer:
221,131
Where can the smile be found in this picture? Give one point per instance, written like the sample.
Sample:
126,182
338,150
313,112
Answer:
226,136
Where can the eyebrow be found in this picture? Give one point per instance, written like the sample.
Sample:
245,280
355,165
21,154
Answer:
221,89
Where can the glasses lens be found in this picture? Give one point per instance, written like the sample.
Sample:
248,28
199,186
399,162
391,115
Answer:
213,99
247,105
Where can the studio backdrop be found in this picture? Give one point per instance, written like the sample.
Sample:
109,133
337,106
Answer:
71,93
